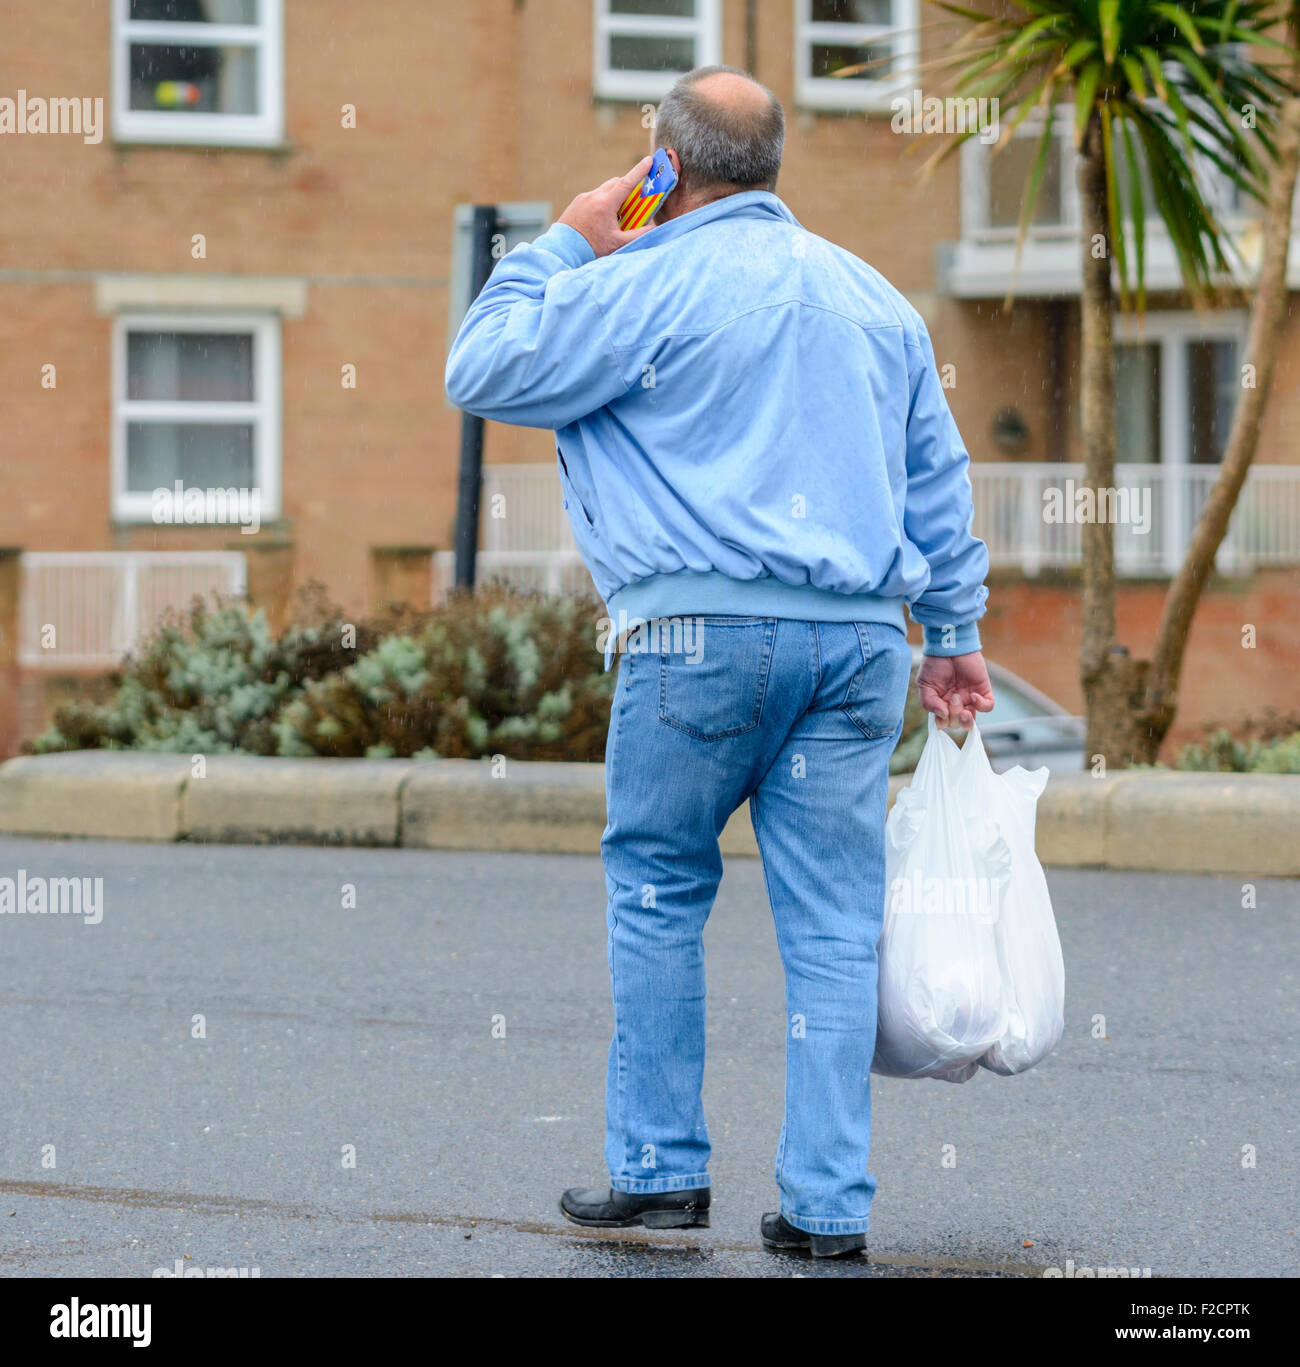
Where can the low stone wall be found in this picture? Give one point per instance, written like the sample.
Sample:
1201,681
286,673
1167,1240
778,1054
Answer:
1246,824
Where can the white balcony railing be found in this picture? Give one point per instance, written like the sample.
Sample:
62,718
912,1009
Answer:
531,544
525,534
1017,503
552,572
86,609
523,509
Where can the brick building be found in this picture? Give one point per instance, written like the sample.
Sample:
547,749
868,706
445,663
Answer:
245,273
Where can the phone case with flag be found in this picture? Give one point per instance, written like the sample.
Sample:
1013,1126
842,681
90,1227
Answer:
640,206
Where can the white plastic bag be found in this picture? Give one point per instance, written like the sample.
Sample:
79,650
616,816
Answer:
970,962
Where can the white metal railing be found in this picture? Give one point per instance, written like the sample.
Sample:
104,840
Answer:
531,543
523,509
553,572
86,609
1017,505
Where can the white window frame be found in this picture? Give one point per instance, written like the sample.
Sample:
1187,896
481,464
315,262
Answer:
975,157
828,94
975,198
263,129
609,83
1173,329
263,412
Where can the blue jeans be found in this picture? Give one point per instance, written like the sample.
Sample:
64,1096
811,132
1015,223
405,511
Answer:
799,718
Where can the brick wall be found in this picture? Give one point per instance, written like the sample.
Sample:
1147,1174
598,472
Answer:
456,103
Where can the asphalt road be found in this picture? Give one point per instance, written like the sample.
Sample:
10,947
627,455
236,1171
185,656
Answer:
327,1026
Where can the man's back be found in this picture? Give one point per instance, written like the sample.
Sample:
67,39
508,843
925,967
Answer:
733,396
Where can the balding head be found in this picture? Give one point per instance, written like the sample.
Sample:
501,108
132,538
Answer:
727,130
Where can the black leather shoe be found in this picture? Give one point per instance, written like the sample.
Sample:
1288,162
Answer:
780,1235
605,1208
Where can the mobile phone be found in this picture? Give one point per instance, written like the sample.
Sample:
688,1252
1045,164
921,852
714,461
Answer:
640,206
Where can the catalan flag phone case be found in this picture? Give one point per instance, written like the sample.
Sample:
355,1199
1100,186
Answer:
640,206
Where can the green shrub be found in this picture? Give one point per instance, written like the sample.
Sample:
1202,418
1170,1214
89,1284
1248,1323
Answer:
1222,753
497,672
209,680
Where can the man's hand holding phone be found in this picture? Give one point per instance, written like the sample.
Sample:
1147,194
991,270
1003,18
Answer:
595,213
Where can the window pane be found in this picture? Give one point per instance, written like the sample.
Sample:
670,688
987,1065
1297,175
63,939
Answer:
676,9
1149,206
1010,168
194,80
195,11
1212,389
195,367
828,58
201,455
1137,402
628,52
853,12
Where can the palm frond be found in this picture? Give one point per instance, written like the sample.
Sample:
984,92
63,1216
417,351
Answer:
1170,87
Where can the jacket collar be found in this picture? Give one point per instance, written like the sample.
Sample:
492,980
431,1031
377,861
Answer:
746,204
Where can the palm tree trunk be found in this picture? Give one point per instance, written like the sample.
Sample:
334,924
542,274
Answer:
1267,320
1106,673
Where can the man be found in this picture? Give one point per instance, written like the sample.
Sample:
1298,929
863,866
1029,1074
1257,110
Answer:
759,463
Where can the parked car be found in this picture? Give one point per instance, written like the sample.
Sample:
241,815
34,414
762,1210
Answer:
1026,727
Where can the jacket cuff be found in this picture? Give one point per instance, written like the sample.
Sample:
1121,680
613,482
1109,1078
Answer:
951,639
566,243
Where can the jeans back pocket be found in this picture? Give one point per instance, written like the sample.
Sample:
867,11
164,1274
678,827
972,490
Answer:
877,693
713,673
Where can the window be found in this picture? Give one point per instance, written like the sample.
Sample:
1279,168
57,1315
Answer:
1177,378
1137,402
1213,384
198,71
196,400
833,34
994,182
642,46
1010,171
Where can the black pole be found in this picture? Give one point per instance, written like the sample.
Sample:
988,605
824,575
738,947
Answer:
482,228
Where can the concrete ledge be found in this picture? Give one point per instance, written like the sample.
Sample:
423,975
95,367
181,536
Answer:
118,290
95,794
243,800
466,804
1073,819
1247,824
1206,823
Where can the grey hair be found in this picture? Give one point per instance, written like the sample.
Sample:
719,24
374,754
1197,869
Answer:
720,146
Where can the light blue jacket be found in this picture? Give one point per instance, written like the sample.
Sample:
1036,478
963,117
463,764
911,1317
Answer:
748,418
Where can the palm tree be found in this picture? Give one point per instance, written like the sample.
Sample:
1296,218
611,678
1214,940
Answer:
1161,94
